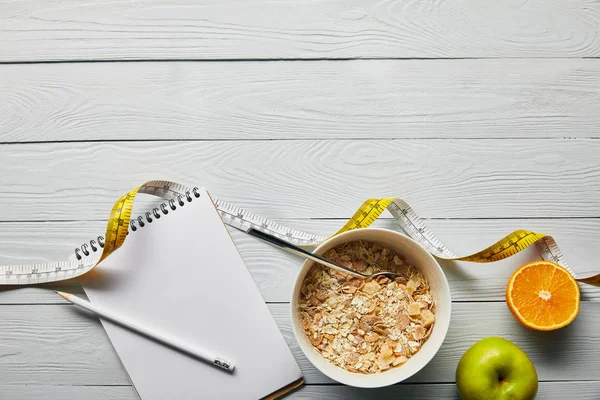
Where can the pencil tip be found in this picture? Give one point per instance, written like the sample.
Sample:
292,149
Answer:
65,296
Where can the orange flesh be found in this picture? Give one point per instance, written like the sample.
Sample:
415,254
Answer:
543,296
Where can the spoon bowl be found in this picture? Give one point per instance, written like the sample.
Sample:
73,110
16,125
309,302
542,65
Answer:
299,251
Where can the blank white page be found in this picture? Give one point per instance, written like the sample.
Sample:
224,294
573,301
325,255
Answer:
182,274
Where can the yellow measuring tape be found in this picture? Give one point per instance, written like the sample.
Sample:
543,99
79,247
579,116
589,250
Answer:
508,246
120,223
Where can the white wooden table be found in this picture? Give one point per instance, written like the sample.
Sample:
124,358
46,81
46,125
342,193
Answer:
484,115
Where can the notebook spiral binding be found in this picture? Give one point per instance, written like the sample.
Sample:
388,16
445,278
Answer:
156,212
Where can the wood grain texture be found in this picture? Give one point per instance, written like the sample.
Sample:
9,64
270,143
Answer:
41,30
63,345
50,392
310,179
301,100
546,391
580,390
275,271
56,345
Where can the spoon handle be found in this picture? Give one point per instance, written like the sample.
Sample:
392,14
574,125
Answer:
290,248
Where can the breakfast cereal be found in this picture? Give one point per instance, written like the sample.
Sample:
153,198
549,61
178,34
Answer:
366,326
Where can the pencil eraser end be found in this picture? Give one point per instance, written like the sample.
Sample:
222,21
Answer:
224,364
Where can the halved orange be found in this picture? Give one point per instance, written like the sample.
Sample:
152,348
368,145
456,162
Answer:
543,296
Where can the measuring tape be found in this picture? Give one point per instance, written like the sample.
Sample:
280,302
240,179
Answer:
176,195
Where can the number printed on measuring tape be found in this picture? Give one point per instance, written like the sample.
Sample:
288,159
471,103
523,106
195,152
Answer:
120,224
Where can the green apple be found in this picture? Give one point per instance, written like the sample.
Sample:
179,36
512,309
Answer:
496,369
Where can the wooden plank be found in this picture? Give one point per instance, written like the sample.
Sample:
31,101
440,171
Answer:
546,391
275,271
50,392
301,100
580,390
56,345
310,179
563,355
62,345
42,30
59,344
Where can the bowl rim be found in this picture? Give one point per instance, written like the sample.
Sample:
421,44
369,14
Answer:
347,377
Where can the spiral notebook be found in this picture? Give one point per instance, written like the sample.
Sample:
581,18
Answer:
183,274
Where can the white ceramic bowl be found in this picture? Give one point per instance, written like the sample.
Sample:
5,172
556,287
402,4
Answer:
422,260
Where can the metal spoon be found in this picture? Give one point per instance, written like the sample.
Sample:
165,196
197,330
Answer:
290,248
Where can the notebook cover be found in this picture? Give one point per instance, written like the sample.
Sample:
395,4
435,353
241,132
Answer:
182,274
